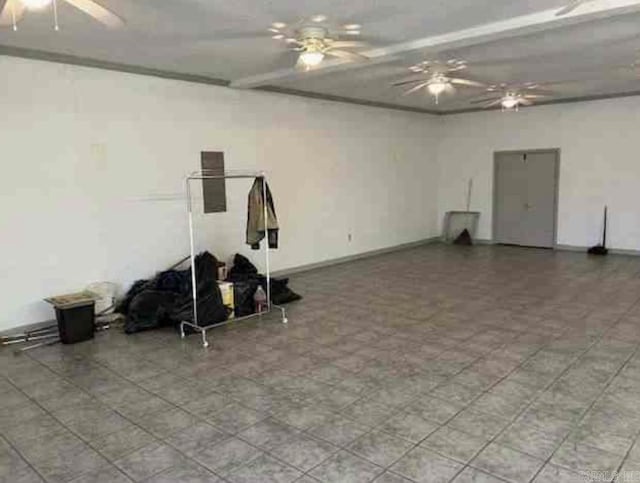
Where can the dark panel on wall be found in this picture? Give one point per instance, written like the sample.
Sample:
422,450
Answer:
213,190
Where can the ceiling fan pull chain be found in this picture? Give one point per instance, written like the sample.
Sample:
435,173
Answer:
13,16
56,27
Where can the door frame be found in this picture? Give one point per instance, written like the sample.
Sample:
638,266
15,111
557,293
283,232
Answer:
494,220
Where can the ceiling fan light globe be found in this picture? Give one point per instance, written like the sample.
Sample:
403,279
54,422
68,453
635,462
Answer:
437,88
35,4
311,59
509,102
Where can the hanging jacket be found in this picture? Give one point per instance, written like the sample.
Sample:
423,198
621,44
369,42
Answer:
255,216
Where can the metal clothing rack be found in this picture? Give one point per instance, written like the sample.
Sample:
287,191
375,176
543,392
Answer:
208,174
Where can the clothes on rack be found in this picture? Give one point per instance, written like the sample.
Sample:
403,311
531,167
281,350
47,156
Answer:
255,216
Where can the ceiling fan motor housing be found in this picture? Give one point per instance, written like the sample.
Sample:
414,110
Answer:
313,32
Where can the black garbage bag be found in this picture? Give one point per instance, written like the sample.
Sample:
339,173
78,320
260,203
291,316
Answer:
167,298
243,292
242,267
149,309
463,238
211,310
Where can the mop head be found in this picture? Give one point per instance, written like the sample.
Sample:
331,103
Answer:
598,250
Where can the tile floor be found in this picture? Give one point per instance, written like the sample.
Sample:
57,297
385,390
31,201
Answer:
436,364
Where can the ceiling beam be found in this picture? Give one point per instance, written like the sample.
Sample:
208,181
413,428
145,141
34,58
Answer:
513,27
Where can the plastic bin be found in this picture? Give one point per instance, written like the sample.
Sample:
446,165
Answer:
76,324
75,314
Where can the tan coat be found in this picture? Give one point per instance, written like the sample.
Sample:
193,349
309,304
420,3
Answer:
255,216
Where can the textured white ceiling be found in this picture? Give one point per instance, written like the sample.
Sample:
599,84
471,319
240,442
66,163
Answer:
228,40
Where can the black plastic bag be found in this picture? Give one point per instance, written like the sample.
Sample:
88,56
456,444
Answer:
167,298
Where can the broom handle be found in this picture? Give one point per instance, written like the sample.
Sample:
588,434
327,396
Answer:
604,233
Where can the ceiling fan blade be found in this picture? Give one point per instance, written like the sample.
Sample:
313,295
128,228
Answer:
466,82
11,8
412,81
494,103
535,96
569,7
98,12
449,88
415,88
415,77
346,55
524,102
488,99
347,44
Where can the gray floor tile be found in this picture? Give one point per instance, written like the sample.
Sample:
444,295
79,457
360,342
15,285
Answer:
389,477
409,426
268,434
14,469
557,474
339,430
478,424
472,475
196,438
305,416
227,456
264,469
148,461
581,457
121,443
605,441
423,465
40,427
434,409
368,412
456,393
528,439
107,474
507,463
454,444
344,467
304,452
59,468
380,448
185,473
165,423
235,418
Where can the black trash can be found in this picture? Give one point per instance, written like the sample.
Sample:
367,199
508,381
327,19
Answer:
75,314
77,323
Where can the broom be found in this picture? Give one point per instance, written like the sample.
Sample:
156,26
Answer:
601,249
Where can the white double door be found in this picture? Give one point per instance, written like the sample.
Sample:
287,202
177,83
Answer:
525,198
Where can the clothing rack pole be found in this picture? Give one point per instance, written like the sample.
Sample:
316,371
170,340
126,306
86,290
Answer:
192,255
202,175
266,239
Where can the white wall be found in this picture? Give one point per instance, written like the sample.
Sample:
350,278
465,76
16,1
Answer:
599,164
93,165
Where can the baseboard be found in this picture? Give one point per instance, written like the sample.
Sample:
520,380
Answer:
357,256
28,327
612,251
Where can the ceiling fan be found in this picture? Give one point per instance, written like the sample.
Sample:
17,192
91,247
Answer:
315,39
571,6
13,11
434,76
511,97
